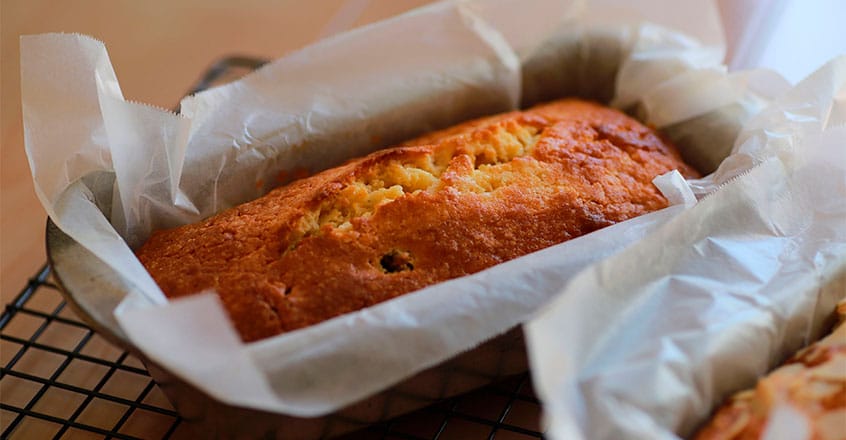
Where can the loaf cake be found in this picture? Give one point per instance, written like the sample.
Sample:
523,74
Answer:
445,205
810,387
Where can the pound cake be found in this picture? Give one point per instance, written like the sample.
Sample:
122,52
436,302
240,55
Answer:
810,387
445,205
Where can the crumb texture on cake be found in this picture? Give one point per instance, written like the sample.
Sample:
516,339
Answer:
441,206
493,167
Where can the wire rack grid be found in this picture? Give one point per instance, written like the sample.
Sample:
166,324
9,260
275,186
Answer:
59,379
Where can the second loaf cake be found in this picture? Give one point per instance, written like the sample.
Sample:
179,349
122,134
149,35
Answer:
442,206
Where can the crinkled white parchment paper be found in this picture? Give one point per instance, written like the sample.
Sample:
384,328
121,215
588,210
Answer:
337,99
643,344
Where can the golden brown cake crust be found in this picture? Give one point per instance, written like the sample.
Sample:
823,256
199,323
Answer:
442,206
812,384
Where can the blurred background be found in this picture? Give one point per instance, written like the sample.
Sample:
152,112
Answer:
159,48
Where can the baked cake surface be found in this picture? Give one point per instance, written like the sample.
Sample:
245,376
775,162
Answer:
441,206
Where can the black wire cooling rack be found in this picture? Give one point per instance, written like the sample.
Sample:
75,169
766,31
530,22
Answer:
59,379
